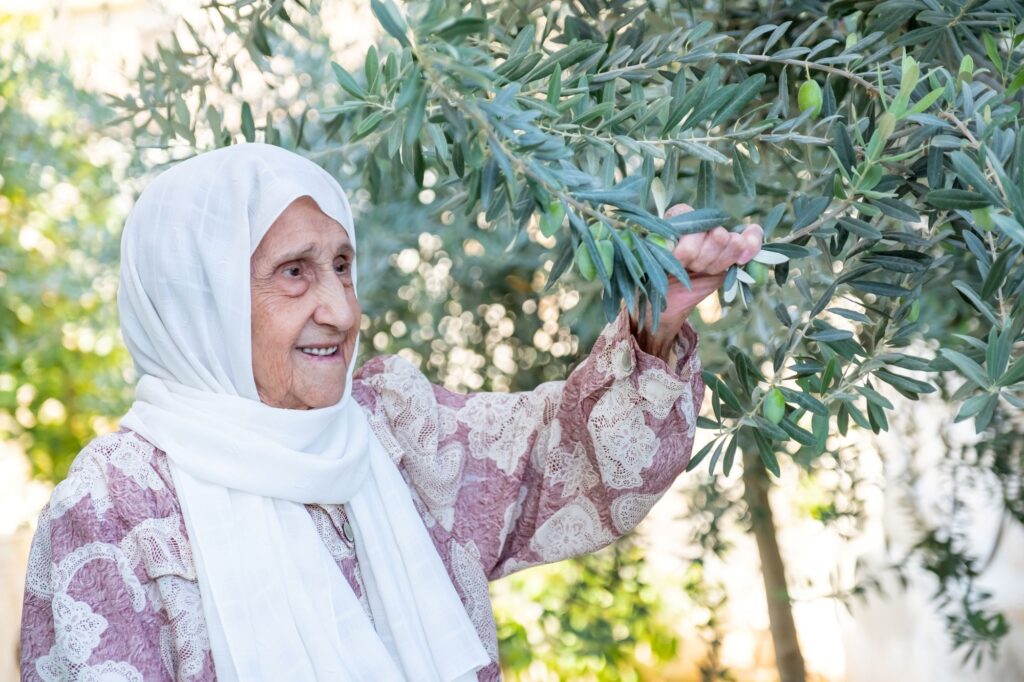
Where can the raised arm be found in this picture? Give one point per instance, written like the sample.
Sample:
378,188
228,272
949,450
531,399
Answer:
520,479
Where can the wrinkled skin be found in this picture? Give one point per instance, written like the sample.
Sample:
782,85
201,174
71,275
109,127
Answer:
706,257
303,297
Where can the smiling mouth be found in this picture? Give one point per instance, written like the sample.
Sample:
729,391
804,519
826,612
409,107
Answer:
315,351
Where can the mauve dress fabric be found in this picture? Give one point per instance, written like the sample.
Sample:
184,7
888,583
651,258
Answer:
502,481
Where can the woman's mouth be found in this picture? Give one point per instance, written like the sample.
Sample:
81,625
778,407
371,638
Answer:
319,351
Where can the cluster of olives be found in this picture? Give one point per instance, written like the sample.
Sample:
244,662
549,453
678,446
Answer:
606,250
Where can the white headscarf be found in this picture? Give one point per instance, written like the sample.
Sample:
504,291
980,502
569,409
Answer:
277,607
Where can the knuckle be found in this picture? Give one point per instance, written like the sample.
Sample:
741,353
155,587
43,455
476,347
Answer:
686,253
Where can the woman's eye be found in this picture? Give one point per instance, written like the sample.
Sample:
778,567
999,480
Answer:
343,267
293,271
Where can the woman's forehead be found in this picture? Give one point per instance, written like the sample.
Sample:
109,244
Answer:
304,229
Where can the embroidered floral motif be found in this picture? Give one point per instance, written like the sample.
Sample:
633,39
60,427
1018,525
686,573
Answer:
133,457
615,358
161,547
111,671
624,449
53,667
661,390
447,423
407,399
572,469
572,530
86,478
630,509
438,477
189,638
501,426
76,628
621,401
379,425
88,474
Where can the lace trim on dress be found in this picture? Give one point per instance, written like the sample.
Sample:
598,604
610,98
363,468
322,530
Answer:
471,580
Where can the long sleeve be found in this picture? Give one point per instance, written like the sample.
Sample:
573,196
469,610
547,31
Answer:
518,479
110,589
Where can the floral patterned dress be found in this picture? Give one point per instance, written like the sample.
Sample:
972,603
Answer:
502,481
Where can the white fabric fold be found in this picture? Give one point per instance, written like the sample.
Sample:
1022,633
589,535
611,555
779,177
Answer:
276,604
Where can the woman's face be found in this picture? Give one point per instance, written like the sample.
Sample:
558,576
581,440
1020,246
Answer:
305,316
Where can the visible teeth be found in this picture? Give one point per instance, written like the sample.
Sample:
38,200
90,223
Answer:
319,351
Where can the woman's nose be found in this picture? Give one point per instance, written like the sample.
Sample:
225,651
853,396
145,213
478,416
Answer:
337,306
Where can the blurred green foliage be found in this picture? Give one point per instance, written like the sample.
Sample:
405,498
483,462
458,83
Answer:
594,615
62,366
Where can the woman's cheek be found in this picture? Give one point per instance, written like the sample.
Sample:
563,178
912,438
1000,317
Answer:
294,287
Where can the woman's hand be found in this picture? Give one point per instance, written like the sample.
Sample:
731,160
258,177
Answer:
706,257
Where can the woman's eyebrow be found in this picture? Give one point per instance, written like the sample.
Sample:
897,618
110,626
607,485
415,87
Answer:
298,253
309,250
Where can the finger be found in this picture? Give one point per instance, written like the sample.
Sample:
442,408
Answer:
752,238
715,242
677,209
688,248
730,254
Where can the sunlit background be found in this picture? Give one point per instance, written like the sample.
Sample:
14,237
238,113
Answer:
715,610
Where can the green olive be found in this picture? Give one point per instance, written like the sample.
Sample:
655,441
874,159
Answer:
983,219
607,252
774,406
660,241
837,187
915,311
552,219
585,264
809,97
759,271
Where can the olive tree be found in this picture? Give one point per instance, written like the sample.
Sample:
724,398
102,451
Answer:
878,144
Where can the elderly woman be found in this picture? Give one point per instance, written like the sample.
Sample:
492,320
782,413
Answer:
266,514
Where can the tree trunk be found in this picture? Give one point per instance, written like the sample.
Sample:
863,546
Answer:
788,658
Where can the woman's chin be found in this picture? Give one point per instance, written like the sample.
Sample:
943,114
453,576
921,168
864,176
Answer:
313,394
323,396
